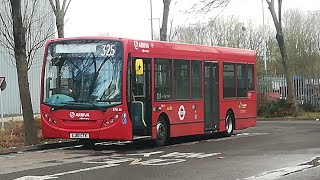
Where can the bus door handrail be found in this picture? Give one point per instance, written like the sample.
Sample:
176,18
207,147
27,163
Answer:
142,114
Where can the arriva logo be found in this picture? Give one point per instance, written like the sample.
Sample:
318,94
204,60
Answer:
79,115
142,45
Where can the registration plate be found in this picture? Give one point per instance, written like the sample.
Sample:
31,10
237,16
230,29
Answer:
79,135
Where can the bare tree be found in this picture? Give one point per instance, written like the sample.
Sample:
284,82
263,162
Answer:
173,32
60,12
19,36
302,41
23,34
205,6
277,19
164,27
36,29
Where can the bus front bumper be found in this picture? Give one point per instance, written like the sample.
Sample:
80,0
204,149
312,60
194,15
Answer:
116,131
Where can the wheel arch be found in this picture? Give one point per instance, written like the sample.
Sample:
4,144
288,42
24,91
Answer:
230,110
167,120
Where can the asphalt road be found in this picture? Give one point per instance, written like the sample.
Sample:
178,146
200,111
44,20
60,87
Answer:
272,150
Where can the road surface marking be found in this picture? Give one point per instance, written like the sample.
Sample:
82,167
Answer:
280,173
118,159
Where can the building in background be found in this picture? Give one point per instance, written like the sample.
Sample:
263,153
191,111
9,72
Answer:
44,22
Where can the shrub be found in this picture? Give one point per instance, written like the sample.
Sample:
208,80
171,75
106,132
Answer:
308,107
278,108
13,136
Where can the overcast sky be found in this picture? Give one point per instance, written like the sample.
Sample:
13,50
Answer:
131,18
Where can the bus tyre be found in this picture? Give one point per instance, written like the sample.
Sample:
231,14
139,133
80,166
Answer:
229,124
161,132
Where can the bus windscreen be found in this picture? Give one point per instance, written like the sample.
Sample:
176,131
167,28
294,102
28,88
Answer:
83,73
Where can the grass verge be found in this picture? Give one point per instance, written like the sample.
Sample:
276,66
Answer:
301,116
13,135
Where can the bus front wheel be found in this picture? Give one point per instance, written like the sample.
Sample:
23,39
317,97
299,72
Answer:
161,132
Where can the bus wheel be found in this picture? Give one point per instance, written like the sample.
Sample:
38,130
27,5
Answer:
229,124
162,132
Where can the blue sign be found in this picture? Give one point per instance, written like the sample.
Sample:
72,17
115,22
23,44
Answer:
124,121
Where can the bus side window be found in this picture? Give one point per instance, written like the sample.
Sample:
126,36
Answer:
250,77
196,80
163,79
242,80
181,79
229,80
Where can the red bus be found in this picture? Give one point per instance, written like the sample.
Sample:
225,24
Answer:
101,88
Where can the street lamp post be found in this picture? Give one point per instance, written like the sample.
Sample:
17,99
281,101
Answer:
264,40
151,19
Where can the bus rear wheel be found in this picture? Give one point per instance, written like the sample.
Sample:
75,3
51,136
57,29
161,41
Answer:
161,132
229,124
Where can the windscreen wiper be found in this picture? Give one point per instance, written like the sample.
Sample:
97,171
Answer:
105,100
55,107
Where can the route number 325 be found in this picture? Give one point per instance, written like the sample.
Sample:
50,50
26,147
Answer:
108,50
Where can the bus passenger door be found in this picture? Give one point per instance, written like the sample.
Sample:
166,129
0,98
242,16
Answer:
211,96
141,99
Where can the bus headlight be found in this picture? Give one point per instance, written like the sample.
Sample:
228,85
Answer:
111,120
49,119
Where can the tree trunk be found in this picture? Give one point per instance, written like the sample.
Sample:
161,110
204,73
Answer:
60,24
60,12
163,29
283,51
22,71
287,71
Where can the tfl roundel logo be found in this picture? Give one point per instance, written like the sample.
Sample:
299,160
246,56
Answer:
182,112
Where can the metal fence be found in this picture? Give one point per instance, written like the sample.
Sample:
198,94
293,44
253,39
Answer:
306,89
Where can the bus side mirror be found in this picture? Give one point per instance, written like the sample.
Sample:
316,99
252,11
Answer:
139,66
